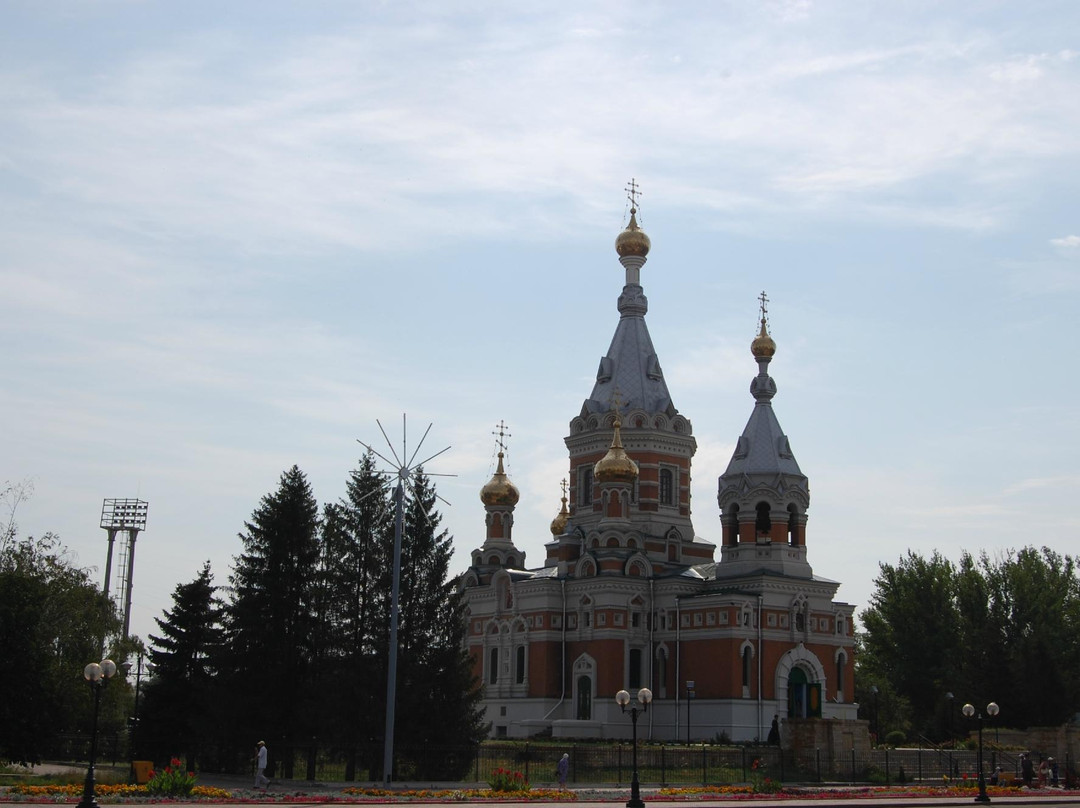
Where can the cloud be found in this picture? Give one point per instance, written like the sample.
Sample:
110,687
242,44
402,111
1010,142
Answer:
1070,242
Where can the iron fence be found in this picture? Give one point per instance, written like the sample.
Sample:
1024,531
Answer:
590,763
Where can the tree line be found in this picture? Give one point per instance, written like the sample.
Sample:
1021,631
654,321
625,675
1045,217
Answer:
293,649
938,635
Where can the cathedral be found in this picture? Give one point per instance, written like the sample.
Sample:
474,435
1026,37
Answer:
630,597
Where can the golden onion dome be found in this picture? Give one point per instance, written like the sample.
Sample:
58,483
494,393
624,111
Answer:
616,466
558,524
499,490
763,345
632,240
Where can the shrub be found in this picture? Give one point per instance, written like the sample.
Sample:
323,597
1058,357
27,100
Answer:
172,781
896,738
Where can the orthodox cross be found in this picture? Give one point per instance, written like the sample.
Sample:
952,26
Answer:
502,433
764,301
632,193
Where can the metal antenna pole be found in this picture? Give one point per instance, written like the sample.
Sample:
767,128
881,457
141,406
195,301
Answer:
403,469
391,670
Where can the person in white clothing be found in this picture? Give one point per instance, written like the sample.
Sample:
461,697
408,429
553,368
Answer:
261,780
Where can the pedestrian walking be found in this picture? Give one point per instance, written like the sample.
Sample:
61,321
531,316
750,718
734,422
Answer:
261,780
562,769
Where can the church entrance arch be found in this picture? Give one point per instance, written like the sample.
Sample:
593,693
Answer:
804,696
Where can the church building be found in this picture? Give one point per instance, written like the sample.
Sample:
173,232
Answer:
630,597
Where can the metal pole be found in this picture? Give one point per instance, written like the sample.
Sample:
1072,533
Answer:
982,795
132,534
89,798
635,788
391,669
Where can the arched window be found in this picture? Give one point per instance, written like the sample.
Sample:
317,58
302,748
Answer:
493,666
763,524
584,698
841,661
585,494
746,667
661,671
519,665
667,487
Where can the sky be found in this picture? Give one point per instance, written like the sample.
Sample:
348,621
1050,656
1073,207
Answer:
237,237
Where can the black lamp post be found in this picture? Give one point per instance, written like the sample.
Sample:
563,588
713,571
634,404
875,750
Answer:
98,676
139,670
623,699
992,709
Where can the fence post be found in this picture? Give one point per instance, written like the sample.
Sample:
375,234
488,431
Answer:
853,765
886,765
479,751
817,754
744,777
918,759
704,767
618,771
526,761
663,764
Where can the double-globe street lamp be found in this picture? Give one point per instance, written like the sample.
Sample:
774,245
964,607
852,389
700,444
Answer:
98,675
623,699
992,709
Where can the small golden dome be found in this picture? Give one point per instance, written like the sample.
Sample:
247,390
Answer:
763,345
632,240
558,524
499,490
616,466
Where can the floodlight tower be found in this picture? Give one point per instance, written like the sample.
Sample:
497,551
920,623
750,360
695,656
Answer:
128,516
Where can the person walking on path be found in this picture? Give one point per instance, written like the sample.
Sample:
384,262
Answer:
562,769
1027,770
261,780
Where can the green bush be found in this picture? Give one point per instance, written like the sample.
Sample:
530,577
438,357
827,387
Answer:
896,738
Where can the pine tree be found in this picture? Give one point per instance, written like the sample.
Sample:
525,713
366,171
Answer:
185,658
272,625
357,556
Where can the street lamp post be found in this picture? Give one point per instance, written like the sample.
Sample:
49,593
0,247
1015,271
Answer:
992,709
623,699
98,675
140,668
689,698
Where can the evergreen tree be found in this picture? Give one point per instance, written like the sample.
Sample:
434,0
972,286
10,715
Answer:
356,566
185,658
271,618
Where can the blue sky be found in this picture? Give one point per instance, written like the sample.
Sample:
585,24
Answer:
232,236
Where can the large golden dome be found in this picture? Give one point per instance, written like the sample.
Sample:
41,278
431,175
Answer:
499,490
632,240
763,345
616,466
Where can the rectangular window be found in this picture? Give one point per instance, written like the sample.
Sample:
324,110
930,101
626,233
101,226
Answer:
601,619
634,678
772,620
619,618
710,618
724,618
539,621
697,618
556,621
635,619
587,619
519,665
685,621
493,666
